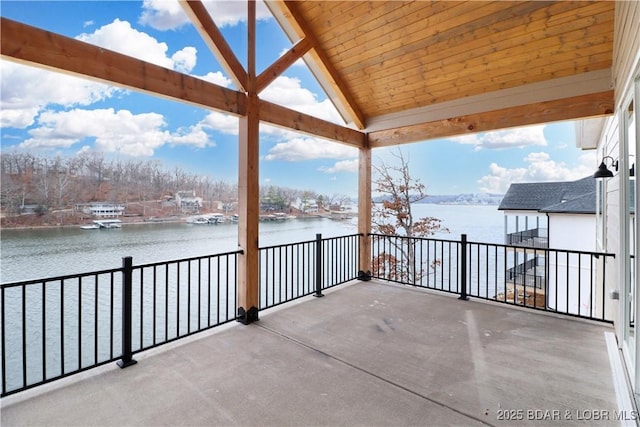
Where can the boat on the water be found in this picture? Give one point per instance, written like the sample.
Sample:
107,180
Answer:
214,218
98,224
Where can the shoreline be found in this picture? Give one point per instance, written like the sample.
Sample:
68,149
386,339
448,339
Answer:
124,223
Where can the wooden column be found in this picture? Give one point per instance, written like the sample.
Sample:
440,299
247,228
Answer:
364,210
249,190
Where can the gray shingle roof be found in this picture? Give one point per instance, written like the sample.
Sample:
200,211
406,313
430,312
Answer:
566,197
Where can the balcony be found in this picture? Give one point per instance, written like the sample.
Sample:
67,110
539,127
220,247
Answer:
368,352
533,238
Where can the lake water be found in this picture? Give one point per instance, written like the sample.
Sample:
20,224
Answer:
39,253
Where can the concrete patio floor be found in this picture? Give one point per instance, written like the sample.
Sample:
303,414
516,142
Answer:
366,354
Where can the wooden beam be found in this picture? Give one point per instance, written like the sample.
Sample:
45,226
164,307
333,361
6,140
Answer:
320,66
548,90
284,62
578,107
290,119
33,46
212,36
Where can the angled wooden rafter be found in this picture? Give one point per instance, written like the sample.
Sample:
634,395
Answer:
284,62
320,65
212,36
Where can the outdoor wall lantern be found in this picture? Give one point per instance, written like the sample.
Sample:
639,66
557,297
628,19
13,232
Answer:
603,171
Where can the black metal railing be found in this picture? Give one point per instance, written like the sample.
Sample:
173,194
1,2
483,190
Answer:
534,238
292,271
55,327
562,281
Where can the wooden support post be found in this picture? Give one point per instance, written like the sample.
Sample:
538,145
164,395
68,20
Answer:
364,212
249,192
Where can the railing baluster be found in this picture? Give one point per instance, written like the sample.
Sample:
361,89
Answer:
44,332
24,335
318,281
95,319
4,340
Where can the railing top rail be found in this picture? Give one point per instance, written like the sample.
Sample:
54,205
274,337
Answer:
175,261
308,241
109,271
415,238
59,278
537,249
501,245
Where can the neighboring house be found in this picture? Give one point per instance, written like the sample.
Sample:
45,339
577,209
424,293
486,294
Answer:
556,215
187,202
306,205
532,210
102,209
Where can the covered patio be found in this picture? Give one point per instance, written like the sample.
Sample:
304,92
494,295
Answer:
368,353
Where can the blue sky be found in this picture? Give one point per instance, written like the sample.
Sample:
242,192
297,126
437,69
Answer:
52,113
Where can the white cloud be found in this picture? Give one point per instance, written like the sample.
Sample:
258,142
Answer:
119,36
169,15
507,138
224,123
303,148
25,90
342,166
184,60
163,14
216,78
113,131
540,168
288,92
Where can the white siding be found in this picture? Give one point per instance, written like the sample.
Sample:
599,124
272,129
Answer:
575,232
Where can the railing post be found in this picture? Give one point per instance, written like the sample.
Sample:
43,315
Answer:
127,302
463,271
318,292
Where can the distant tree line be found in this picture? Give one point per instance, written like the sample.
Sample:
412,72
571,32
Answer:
59,183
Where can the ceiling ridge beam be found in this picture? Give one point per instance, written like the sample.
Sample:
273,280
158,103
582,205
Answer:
549,90
285,12
23,43
570,108
281,64
213,37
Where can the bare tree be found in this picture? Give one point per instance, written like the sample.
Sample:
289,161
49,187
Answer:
394,216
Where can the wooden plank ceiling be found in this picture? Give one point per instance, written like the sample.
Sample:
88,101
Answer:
382,61
397,71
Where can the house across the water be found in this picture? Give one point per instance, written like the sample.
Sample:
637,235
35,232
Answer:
102,209
558,215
